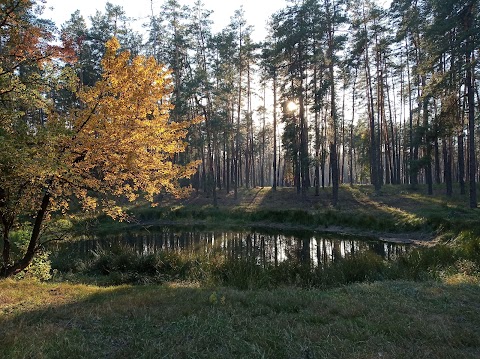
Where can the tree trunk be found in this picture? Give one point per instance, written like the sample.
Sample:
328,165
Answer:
428,145
274,185
317,125
333,112
7,224
34,239
447,167
437,162
472,166
411,157
351,126
374,165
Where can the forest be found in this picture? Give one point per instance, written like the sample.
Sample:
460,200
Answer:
380,95
339,92
178,191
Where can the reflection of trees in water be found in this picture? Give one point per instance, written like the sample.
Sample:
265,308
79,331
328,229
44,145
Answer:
317,250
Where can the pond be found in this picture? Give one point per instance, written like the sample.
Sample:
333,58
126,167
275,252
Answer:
265,247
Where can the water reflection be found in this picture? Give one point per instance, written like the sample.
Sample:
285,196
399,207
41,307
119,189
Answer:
316,249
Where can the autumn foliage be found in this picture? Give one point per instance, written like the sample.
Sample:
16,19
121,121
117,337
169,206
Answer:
116,142
122,141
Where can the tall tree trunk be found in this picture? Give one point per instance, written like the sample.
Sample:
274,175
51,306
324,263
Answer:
323,155
342,171
472,166
233,172
461,141
351,126
411,158
239,108
447,165
211,185
250,155
333,111
461,156
380,106
7,224
303,146
437,162
391,158
262,160
275,177
229,152
204,166
428,145
317,144
317,124
350,150
374,165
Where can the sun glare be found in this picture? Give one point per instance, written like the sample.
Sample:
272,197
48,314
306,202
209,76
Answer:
291,106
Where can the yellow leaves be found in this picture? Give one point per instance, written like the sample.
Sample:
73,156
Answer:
112,46
125,130
89,203
119,143
114,211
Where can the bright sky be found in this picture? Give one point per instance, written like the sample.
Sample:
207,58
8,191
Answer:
257,12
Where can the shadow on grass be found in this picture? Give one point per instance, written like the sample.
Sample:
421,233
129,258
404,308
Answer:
390,319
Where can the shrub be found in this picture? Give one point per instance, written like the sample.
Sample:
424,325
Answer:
40,267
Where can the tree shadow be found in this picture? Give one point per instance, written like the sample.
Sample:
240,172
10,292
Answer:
94,323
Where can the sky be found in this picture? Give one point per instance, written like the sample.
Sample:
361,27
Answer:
257,12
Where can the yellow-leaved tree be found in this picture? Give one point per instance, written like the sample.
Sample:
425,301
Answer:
117,143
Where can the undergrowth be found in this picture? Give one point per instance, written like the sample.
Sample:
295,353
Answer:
121,264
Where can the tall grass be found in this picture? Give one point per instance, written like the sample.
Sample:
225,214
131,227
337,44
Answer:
121,264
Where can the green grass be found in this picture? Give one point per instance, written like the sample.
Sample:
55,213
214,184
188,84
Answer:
388,320
394,209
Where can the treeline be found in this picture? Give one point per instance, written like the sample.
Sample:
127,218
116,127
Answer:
339,92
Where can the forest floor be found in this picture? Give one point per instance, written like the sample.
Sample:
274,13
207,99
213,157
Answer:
389,319
395,213
355,197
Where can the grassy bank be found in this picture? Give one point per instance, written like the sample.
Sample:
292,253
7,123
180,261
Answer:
394,209
378,320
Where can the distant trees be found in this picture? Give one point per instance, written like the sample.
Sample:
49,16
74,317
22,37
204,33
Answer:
382,95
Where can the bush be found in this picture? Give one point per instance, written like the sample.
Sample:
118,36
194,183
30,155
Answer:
40,267
467,245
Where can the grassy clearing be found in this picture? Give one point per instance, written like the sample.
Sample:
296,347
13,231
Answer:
396,209
388,320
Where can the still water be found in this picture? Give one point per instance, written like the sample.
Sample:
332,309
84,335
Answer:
317,249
